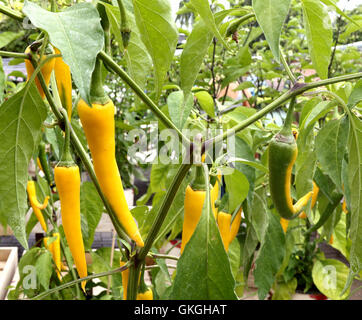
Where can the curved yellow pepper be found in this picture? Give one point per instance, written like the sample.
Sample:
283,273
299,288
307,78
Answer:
228,230
46,71
67,180
37,207
148,295
98,125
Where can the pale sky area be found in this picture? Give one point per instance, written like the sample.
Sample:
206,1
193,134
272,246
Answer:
342,4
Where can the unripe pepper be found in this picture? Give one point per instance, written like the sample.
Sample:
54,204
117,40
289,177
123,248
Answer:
63,78
37,207
67,180
99,128
46,69
283,152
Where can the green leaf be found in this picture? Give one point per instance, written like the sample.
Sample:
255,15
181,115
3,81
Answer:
318,111
193,54
77,33
159,34
353,26
340,241
195,50
91,207
206,102
259,217
330,276
319,35
331,143
355,184
210,278
2,81
333,4
203,9
8,36
251,242
178,108
270,257
234,257
356,95
137,58
21,118
44,268
237,185
271,15
284,290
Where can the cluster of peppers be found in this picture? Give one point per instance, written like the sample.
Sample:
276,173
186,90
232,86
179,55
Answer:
98,124
194,200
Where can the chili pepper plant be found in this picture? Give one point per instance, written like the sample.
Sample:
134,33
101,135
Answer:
245,115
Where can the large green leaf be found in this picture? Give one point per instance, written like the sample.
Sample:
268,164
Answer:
206,102
270,257
77,33
158,33
2,81
355,184
330,276
271,15
203,9
259,217
237,185
356,94
137,58
91,207
179,108
319,35
331,143
44,268
21,118
193,54
203,270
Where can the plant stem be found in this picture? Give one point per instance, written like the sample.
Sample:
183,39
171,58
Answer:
163,256
287,68
152,234
13,55
293,92
139,92
11,13
71,283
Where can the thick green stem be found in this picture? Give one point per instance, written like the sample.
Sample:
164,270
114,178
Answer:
125,29
13,55
295,91
11,13
287,68
140,93
98,94
66,159
287,127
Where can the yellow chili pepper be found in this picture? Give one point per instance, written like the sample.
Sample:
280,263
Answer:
37,207
148,295
64,83
54,249
223,221
46,71
98,125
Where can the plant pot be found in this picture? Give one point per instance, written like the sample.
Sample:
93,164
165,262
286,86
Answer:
8,267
